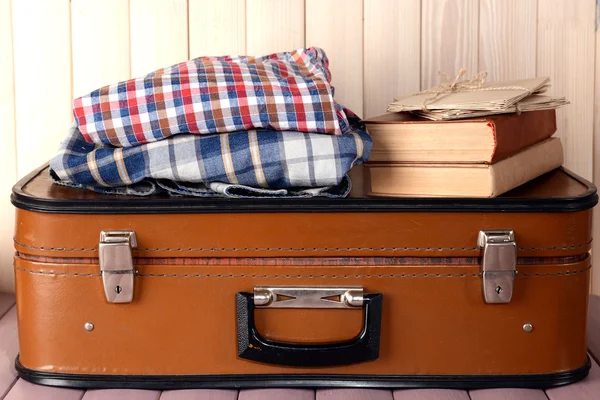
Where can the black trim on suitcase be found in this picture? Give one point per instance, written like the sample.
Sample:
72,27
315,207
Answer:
466,382
110,204
364,347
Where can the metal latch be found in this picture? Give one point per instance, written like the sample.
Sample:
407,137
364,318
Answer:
308,297
116,265
499,264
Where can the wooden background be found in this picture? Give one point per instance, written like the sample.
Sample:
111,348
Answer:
55,50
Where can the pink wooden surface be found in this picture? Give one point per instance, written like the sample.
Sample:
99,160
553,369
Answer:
206,394
508,394
9,345
6,302
24,390
276,394
588,389
430,394
353,394
122,394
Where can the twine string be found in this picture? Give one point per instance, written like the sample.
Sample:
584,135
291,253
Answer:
456,85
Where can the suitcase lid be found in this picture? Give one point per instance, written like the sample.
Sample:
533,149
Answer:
557,191
548,217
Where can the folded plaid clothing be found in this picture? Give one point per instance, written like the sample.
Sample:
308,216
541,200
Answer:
149,187
257,158
288,91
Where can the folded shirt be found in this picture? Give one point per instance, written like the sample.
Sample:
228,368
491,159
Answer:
257,159
149,187
288,91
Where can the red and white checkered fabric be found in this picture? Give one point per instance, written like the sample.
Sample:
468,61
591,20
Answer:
288,91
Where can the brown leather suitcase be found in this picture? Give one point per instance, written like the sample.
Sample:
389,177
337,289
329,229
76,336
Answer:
181,292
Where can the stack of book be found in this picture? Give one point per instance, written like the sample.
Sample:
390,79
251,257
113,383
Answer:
475,157
464,138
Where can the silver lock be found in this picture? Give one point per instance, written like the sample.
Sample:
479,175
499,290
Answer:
499,264
116,265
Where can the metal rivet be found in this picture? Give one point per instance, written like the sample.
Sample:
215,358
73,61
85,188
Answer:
88,326
353,298
263,297
528,327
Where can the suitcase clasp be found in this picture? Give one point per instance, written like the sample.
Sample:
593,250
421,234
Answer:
116,264
499,264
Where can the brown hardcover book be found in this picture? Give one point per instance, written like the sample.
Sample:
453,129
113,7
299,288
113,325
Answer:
403,137
464,180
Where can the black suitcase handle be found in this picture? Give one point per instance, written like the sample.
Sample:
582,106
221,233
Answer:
364,347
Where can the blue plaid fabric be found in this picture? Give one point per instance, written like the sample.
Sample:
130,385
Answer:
232,126
267,159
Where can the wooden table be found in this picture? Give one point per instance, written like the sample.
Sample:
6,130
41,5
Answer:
12,388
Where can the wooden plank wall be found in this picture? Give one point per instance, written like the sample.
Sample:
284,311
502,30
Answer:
53,50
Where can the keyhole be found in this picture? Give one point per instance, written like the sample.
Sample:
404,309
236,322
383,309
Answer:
118,289
499,290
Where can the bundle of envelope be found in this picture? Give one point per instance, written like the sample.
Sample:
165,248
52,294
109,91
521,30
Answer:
467,98
235,126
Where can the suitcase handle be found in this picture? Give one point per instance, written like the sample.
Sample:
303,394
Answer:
364,347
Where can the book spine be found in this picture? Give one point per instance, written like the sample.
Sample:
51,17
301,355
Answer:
534,162
513,135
